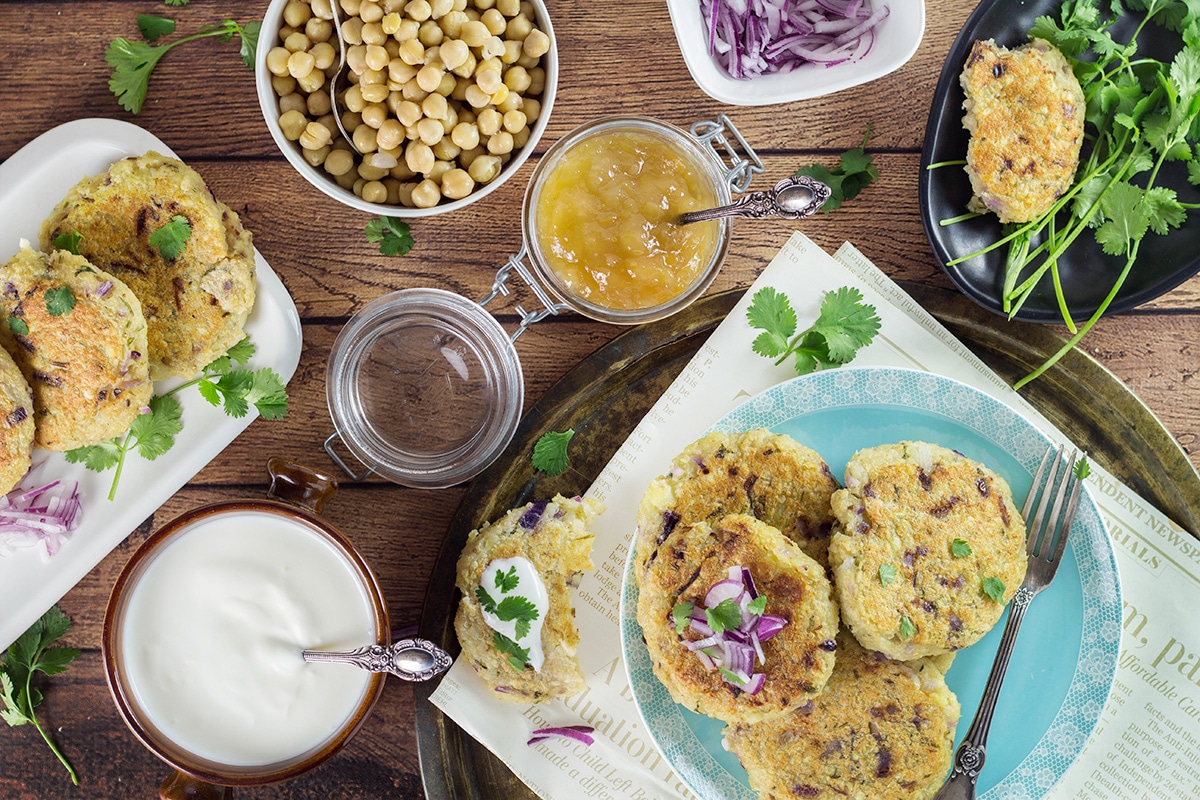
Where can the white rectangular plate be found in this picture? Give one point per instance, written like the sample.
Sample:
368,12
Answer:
32,182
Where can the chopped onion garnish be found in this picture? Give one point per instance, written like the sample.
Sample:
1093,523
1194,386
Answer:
580,733
756,37
42,516
732,650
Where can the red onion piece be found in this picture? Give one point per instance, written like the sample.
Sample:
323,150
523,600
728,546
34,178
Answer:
579,733
42,516
722,591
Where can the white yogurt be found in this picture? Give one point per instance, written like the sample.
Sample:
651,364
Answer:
528,584
214,629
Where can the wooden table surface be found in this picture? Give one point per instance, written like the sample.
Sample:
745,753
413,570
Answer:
615,58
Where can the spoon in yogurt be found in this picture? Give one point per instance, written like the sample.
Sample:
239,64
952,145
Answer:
411,659
796,197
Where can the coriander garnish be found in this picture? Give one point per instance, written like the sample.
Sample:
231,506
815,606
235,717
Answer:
854,172
887,573
845,324
994,588
960,548
550,452
391,234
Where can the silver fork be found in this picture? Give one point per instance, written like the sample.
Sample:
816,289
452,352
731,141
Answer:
1045,545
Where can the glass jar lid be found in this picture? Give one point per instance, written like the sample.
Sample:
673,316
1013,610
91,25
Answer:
424,388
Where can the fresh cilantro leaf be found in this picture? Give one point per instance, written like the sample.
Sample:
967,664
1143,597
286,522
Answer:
844,325
520,610
97,457
267,394
959,548
237,389
855,171
907,629
153,28
733,677
725,615
485,600
550,452
771,311
67,241
171,238
391,234
507,581
133,62
887,573
59,301
1082,469
681,614
29,654
518,656
758,605
155,432
17,325
175,2
994,588
242,352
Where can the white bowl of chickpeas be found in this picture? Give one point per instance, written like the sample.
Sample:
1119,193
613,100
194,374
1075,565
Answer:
442,100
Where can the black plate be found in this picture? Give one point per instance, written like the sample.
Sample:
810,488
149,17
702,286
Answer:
1087,273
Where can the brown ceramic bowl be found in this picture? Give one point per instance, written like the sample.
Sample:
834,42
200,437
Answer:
297,495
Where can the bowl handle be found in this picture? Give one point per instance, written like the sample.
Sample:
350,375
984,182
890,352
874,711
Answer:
181,786
299,485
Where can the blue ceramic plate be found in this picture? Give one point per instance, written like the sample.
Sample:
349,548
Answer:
1066,657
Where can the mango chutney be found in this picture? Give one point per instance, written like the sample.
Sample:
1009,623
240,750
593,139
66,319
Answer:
604,219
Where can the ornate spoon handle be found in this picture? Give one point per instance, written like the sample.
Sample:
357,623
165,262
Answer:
409,659
796,197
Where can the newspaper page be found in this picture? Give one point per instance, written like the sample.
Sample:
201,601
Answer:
1149,729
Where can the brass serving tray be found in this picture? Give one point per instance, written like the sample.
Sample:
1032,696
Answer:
605,396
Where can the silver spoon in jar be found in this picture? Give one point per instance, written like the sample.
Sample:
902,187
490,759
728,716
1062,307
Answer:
796,197
409,659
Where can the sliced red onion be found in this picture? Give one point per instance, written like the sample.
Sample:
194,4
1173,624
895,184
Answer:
42,516
754,37
701,627
769,625
755,684
580,733
721,591
104,288
700,644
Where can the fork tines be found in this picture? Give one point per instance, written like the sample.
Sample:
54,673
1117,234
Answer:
1042,531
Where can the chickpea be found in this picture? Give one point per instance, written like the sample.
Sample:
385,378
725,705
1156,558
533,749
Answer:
292,123
475,33
512,51
393,191
408,113
377,57
446,85
319,104
446,149
370,76
300,64
322,9
412,52
489,121
509,8
435,107
440,168
500,143
484,169
372,33
413,91
532,109
370,12
430,33
390,135
314,157
514,121
441,8
364,139
315,136
500,96
521,138
467,156
374,192
429,78
452,23
311,82
467,68
419,157
347,180
277,60
519,28
517,79
352,31
409,29
513,102
374,93
465,135
318,30
420,10
426,194
323,55
283,86
351,7
405,191
339,162
537,44
401,72
374,115
494,20
484,5
297,42
353,99
356,58
537,81
390,23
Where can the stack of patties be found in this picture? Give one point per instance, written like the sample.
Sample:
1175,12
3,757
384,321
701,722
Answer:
196,297
78,336
926,549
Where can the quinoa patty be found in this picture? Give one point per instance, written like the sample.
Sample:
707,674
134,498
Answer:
1025,112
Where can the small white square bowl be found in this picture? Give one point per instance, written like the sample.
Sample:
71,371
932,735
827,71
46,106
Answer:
896,39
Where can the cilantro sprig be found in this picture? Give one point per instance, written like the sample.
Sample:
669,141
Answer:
391,234
1142,114
994,588
170,239
67,241
517,656
29,654
133,62
153,432
550,452
855,171
725,615
844,326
